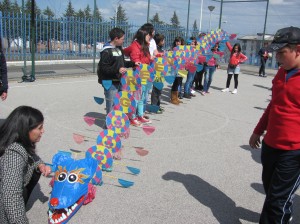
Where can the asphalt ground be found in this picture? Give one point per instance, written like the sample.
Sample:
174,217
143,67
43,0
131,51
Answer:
200,168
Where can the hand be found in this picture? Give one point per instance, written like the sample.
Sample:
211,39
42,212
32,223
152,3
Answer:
4,96
45,170
122,70
137,63
254,141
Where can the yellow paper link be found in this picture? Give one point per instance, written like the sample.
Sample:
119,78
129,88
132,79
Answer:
182,73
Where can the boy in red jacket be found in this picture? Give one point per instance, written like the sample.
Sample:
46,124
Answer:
280,154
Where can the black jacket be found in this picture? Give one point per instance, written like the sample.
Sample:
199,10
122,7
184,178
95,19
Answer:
112,59
3,74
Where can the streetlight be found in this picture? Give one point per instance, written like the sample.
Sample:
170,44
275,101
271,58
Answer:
211,8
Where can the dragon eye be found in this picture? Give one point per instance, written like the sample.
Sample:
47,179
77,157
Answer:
72,177
62,176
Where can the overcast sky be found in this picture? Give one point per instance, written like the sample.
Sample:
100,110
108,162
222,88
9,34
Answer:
240,18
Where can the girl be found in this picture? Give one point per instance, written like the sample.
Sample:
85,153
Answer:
20,166
178,79
138,51
156,93
236,57
210,70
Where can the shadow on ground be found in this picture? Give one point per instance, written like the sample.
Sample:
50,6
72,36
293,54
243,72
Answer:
223,207
37,194
255,153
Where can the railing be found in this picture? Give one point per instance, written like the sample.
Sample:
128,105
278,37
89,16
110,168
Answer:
65,38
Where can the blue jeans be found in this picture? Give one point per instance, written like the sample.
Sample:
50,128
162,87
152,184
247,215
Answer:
210,70
146,94
189,80
110,95
140,103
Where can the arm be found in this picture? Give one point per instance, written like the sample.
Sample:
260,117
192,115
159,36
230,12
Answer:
254,140
243,58
229,46
12,168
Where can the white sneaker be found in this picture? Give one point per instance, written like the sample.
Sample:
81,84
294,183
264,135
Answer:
193,91
234,91
225,90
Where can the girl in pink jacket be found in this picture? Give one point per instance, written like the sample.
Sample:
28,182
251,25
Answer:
236,57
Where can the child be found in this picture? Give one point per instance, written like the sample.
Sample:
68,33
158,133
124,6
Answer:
112,64
280,155
236,57
156,93
210,70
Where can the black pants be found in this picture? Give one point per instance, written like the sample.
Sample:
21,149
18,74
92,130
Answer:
198,79
155,96
177,82
262,66
236,80
29,188
281,178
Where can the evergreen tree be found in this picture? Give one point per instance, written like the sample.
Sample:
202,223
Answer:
80,13
48,13
27,9
195,29
87,12
156,20
70,10
98,15
15,7
121,16
175,20
5,6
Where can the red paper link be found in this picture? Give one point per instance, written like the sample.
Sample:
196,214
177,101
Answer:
148,129
89,120
141,151
78,138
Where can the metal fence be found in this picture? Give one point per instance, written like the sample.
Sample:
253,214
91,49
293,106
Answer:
66,38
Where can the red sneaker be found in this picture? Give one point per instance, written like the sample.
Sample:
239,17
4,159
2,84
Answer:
144,120
135,122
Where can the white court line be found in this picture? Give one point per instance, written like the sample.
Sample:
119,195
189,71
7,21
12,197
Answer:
49,84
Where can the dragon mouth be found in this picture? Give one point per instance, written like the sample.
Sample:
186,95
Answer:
62,215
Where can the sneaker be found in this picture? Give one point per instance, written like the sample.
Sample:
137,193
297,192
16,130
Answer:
225,90
187,96
203,93
234,91
143,120
260,75
162,109
146,116
193,95
135,122
193,91
159,111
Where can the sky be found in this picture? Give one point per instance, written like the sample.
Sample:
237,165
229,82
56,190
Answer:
240,18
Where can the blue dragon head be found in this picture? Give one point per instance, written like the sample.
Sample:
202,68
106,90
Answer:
71,185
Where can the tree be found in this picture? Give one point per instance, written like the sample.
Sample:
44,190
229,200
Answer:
87,12
5,6
98,15
156,20
70,10
121,16
80,13
15,7
27,10
48,12
175,20
195,29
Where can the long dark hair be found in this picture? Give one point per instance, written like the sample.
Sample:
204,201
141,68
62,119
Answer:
177,39
239,48
17,126
140,37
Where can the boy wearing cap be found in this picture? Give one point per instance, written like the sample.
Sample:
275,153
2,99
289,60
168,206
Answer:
280,154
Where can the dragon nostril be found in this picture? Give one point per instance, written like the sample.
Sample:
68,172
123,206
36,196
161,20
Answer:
54,202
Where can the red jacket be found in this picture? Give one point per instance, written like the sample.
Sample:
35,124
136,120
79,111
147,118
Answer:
134,51
235,58
281,119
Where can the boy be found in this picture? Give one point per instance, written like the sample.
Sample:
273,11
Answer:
111,65
280,154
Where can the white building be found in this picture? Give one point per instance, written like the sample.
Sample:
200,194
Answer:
251,44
